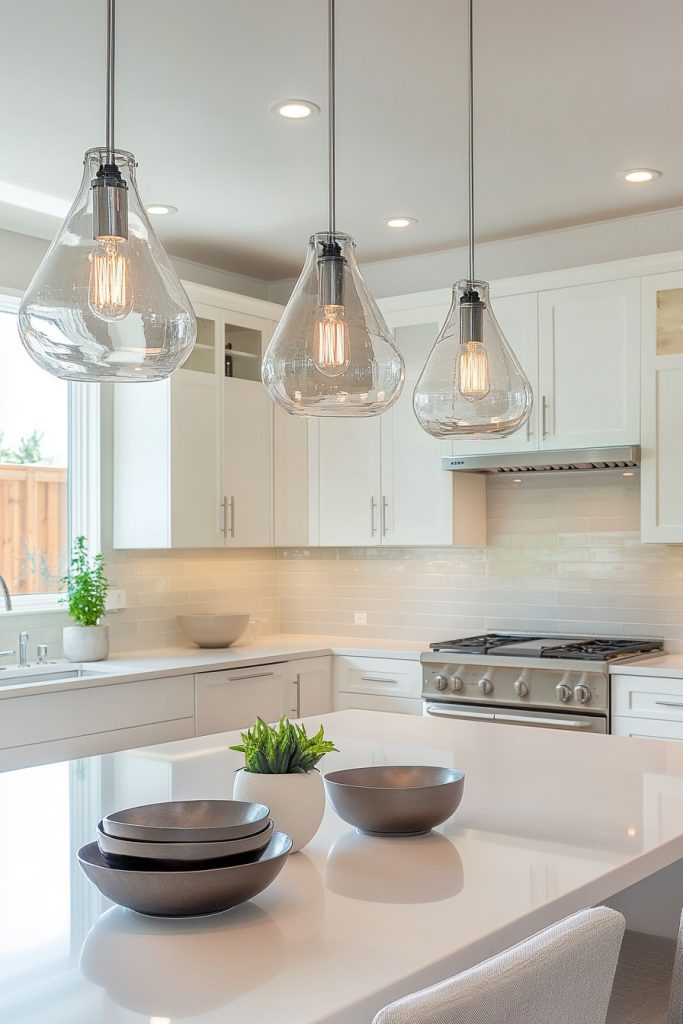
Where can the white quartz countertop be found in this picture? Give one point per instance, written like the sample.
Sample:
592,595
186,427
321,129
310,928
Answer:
666,665
186,659
550,822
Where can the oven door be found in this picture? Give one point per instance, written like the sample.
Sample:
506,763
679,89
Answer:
515,716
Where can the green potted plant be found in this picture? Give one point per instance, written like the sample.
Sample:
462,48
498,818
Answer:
86,592
280,771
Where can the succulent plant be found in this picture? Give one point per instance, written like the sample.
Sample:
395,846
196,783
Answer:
283,749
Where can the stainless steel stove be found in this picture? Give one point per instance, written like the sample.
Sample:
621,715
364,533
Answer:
559,682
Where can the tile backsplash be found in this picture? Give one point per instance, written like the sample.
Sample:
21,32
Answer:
564,553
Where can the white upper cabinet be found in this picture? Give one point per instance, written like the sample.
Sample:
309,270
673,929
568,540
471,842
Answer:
589,365
662,409
193,454
517,316
350,486
380,479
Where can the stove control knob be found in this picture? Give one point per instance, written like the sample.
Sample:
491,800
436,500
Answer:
440,682
456,683
521,688
485,686
564,692
582,694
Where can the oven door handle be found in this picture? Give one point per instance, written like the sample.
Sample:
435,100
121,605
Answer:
446,712
552,723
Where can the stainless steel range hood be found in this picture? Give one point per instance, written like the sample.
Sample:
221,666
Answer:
575,460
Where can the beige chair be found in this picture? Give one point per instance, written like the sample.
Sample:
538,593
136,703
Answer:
562,975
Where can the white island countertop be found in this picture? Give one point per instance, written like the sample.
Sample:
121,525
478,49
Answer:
550,822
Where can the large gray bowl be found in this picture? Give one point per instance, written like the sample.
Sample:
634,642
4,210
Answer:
188,821
189,891
177,854
214,630
395,800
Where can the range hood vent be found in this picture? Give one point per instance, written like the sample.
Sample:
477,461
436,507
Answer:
575,460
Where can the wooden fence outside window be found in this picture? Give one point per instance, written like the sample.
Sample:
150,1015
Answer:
33,527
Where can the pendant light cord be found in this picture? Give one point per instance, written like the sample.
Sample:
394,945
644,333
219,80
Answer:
331,85
109,133
470,33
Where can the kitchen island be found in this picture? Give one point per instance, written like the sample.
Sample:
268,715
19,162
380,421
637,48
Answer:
550,822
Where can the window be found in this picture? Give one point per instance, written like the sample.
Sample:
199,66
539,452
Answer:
47,490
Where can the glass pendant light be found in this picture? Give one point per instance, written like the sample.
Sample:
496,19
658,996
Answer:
472,384
106,304
332,353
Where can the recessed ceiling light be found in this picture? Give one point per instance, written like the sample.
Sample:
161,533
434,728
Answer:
161,209
639,175
400,222
295,110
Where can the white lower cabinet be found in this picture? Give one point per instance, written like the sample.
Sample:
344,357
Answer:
98,719
309,689
235,698
647,706
378,684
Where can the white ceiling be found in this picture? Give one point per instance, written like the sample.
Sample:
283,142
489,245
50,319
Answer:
567,95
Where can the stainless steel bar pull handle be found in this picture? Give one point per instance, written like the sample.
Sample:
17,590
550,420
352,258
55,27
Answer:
232,515
385,506
373,506
669,703
544,417
224,517
374,679
296,709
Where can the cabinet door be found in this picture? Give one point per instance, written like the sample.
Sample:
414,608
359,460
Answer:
517,316
589,365
247,438
416,500
308,689
349,480
195,426
661,491
234,699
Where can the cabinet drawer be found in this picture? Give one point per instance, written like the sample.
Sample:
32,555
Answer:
646,728
234,699
372,702
94,709
383,676
647,697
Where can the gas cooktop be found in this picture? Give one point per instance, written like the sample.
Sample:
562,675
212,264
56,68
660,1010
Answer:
586,648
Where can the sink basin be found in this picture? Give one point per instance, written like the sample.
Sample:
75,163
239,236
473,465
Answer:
54,673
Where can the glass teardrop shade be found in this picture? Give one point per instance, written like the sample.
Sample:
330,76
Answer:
111,310
332,353
472,384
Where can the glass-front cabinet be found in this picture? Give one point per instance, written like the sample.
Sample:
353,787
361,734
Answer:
662,408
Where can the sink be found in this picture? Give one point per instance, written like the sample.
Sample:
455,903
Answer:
52,673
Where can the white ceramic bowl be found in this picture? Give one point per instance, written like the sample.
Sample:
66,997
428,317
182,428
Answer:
219,630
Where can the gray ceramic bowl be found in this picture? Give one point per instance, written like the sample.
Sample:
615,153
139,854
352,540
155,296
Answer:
395,800
183,821
190,853
190,891
213,630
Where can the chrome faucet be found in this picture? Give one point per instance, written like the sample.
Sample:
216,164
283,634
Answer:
23,649
5,594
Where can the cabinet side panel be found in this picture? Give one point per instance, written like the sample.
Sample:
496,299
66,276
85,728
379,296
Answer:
141,465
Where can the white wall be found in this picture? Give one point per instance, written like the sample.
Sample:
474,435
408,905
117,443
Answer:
623,238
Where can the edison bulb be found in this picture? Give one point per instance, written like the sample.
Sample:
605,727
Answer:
472,377
110,295
332,341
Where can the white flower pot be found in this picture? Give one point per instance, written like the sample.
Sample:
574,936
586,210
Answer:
86,643
296,801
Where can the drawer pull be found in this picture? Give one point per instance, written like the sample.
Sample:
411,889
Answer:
669,703
371,679
237,679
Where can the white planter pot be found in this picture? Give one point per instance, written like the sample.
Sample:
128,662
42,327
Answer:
297,801
86,643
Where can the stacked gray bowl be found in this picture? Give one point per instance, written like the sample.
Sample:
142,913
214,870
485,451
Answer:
185,857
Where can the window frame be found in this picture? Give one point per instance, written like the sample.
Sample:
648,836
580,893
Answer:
83,472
